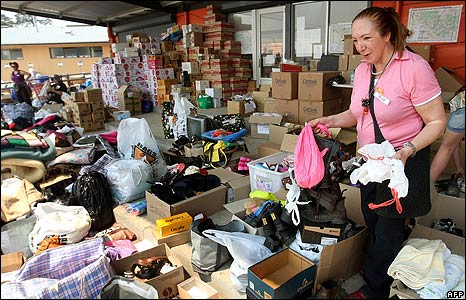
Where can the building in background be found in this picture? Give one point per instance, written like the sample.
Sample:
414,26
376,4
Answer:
53,50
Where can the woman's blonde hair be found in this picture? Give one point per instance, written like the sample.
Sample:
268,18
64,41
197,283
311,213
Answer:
386,20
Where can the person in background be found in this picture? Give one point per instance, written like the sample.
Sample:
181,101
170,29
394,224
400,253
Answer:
56,90
398,89
19,78
451,144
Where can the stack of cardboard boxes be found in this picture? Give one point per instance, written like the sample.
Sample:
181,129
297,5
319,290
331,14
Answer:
94,98
86,109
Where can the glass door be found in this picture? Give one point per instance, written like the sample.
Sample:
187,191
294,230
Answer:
270,42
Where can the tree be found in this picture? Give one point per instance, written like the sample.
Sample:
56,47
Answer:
24,20
7,21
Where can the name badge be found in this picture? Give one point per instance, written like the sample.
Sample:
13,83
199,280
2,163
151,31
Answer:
382,98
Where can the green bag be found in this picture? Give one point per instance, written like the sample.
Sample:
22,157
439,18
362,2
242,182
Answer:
205,101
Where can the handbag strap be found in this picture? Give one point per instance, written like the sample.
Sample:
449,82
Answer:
379,138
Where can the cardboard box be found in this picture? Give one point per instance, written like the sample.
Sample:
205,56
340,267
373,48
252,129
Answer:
12,261
449,83
267,149
77,96
277,132
260,98
208,202
285,85
354,61
174,224
444,206
93,95
242,107
201,289
348,45
343,62
238,186
166,284
426,51
284,275
313,86
287,108
453,242
260,123
144,229
310,110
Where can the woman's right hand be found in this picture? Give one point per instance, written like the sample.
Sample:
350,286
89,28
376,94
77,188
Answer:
322,120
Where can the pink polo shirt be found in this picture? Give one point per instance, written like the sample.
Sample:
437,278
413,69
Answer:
407,82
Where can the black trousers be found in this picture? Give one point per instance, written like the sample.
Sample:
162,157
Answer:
388,235
23,92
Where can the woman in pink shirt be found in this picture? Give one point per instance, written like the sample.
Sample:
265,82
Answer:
398,89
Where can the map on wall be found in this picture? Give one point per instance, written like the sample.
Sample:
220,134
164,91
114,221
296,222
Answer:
434,24
336,35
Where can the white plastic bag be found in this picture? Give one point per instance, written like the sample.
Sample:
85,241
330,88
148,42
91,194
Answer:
45,89
135,140
181,109
246,250
128,178
72,223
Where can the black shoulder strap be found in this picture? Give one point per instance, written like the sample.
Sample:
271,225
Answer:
379,138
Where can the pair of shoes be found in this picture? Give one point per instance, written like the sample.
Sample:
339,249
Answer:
452,188
318,214
255,219
275,228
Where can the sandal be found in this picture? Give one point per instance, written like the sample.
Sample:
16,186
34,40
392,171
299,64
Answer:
149,267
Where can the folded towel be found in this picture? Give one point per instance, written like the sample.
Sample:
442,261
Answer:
454,268
419,262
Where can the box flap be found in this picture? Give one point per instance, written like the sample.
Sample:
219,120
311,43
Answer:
447,80
263,118
225,175
239,182
289,142
454,243
237,206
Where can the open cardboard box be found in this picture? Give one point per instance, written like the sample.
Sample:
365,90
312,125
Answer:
260,123
147,230
449,83
166,284
453,242
195,288
238,186
208,203
283,275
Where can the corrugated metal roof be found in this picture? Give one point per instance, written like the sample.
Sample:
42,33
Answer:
53,35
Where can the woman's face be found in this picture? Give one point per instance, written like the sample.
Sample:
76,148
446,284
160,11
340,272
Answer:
14,67
368,41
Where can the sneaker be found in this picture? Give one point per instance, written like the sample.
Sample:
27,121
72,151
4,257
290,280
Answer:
460,183
452,188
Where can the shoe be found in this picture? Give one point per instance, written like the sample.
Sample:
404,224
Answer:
255,219
452,188
318,214
357,295
460,183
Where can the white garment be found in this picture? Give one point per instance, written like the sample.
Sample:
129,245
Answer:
380,166
454,271
419,262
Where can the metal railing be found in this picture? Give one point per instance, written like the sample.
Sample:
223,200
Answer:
69,79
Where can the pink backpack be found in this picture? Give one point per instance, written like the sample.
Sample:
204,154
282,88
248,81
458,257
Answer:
309,163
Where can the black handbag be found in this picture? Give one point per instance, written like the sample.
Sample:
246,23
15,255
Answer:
333,147
417,202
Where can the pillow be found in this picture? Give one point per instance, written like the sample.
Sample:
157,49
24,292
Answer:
81,156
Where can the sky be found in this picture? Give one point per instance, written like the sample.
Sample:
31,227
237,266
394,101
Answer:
55,22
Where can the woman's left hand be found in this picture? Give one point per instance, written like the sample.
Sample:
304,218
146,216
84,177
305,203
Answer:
403,154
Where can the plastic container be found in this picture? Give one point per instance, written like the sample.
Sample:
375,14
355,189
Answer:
13,94
43,79
263,179
147,106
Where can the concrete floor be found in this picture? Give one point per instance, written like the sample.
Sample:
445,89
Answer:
221,280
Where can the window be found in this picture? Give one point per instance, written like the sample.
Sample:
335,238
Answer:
74,52
12,54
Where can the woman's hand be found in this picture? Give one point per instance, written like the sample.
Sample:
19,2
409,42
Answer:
403,154
322,120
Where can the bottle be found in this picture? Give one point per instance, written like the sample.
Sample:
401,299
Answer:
352,77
